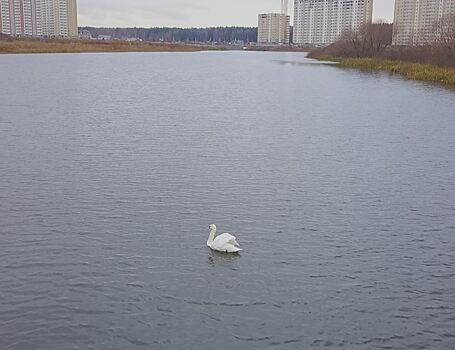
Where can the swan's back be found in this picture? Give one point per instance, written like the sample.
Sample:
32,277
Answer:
226,243
225,238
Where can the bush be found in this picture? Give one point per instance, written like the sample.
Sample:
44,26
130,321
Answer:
374,41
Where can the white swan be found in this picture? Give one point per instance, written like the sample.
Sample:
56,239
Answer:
225,243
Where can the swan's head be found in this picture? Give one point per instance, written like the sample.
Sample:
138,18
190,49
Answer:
212,227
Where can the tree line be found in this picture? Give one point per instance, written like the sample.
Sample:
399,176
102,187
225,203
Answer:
205,35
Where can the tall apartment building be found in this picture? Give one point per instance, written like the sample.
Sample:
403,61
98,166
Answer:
324,21
18,17
48,18
58,18
416,21
273,28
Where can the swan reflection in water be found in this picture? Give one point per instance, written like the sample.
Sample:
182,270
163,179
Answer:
222,259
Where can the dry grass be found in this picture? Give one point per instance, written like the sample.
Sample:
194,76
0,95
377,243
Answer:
14,46
409,70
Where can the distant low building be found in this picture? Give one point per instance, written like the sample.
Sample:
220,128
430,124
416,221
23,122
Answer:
132,40
416,21
273,29
85,34
105,37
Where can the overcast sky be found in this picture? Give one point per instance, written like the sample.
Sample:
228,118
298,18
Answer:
188,13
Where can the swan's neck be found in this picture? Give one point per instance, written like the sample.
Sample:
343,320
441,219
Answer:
211,237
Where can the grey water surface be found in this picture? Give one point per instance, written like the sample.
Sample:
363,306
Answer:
340,186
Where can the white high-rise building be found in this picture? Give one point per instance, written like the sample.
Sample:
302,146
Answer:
416,21
48,18
324,21
58,18
18,17
273,28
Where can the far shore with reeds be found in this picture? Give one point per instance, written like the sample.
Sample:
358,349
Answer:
370,48
415,71
28,45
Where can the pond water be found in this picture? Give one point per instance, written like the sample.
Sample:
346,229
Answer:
340,186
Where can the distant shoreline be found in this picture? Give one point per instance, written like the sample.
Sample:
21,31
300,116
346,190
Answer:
283,48
413,71
12,45
36,46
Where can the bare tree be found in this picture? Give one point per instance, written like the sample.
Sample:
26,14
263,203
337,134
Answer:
445,36
379,37
368,41
352,44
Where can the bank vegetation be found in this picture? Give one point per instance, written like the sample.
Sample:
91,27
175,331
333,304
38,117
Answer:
370,48
10,45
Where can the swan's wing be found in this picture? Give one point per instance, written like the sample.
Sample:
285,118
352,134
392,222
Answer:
224,239
232,240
